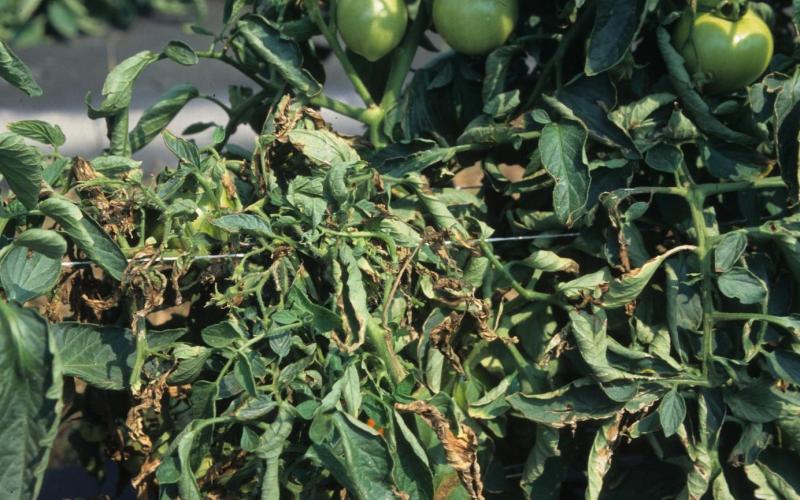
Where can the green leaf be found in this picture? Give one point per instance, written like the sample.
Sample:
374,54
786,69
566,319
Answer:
337,188
115,166
787,130
21,165
589,331
15,72
356,292
561,146
191,361
156,118
182,149
270,448
323,147
587,100
118,87
775,475
243,371
30,401
635,115
26,275
566,406
784,365
733,162
545,451
671,412
412,470
761,403
246,223
87,234
600,456
397,160
498,64
357,457
616,24
741,284
323,319
48,243
664,158
40,131
100,355
351,391
627,288
684,307
220,335
281,54
729,250
180,53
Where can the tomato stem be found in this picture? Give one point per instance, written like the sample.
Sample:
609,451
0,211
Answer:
403,58
312,6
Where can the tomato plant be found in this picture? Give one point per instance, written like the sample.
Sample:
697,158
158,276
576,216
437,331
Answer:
733,53
559,264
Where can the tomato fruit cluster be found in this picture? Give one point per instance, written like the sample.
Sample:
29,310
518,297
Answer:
373,28
732,53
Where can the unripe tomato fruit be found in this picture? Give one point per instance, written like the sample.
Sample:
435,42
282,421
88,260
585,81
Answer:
475,27
732,53
372,28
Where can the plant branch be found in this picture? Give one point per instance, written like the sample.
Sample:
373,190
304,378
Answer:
403,58
730,187
526,293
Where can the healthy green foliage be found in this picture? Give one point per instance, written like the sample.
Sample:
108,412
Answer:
27,22
612,311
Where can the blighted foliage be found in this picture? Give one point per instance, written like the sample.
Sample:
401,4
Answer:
612,312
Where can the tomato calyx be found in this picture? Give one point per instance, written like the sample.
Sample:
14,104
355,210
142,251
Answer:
732,10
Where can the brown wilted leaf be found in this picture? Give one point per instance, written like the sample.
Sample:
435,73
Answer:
461,450
441,337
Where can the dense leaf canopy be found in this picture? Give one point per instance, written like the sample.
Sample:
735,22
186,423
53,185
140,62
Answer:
607,307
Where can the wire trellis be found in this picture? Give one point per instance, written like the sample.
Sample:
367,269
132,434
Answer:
231,256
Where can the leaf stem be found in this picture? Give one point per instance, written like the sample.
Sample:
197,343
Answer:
142,349
340,107
748,316
729,187
527,293
696,201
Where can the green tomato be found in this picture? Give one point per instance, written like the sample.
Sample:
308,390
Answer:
372,28
475,27
732,53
